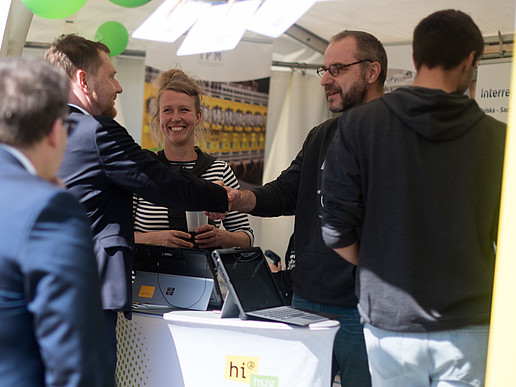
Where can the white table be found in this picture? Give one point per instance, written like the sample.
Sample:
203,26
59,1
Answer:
197,348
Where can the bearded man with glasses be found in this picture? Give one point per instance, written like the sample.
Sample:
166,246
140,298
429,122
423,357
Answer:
354,72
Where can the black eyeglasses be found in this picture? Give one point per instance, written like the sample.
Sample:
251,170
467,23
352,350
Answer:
334,69
69,125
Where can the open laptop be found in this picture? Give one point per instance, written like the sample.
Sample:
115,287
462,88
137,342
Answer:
252,291
174,278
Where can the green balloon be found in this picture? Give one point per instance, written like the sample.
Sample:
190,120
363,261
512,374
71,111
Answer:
130,3
114,35
53,9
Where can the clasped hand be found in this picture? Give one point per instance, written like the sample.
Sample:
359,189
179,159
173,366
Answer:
234,199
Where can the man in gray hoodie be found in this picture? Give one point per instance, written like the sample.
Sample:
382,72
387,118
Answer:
411,191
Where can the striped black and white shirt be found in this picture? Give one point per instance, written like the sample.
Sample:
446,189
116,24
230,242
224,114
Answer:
151,217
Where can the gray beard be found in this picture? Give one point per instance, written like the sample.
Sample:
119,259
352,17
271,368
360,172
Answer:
354,97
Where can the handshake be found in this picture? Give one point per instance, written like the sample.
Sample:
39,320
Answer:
238,200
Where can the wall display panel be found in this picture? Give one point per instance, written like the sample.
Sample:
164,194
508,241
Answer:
492,90
235,117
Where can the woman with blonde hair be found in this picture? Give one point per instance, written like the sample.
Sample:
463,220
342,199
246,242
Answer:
176,124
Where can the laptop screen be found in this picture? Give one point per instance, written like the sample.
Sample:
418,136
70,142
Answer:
171,260
181,278
251,278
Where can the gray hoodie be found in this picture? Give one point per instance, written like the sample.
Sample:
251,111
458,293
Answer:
415,177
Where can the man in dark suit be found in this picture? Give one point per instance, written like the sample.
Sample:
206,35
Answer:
52,327
103,167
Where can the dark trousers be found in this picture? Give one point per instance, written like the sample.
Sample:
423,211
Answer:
111,318
349,351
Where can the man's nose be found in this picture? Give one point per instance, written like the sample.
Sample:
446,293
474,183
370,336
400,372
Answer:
118,86
326,79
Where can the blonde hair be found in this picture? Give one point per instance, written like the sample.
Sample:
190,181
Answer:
177,80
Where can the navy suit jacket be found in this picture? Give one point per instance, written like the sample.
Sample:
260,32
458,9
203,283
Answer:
103,167
51,320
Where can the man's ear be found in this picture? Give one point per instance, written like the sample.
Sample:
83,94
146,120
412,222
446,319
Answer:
81,79
373,72
414,61
470,61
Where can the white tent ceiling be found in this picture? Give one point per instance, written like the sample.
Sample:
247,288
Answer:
394,20
391,21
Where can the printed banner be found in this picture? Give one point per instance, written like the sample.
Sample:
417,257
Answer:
493,89
235,117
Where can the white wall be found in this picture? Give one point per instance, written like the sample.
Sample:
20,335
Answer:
297,103
131,75
399,56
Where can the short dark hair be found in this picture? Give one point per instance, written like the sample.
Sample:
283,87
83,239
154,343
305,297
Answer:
368,47
72,52
445,38
33,94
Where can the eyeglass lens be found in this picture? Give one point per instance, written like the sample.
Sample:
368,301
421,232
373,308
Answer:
69,125
334,69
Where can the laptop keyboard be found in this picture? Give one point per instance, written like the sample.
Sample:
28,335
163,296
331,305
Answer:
281,312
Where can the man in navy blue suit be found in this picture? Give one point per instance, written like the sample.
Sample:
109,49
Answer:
104,166
52,327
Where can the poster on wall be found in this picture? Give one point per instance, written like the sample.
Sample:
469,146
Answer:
400,70
493,89
235,117
397,78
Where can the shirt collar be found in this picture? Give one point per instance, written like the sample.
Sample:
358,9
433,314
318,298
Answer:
18,155
79,108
